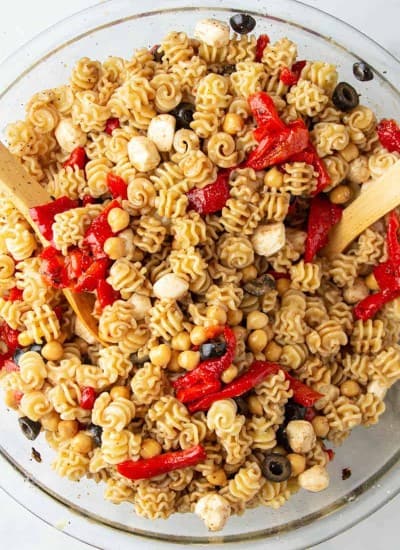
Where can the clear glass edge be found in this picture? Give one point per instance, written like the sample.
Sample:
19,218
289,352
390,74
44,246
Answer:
387,474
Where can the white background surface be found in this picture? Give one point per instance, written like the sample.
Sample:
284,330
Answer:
22,19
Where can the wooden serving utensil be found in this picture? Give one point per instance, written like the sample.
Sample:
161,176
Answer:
380,197
25,192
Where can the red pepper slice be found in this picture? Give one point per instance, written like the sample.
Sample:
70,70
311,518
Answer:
278,148
117,186
77,158
262,43
151,467
322,217
88,281
310,156
88,199
43,215
88,397
9,337
76,263
111,125
302,394
389,134
106,295
5,358
212,198
369,306
14,295
206,376
289,77
265,114
52,268
277,275
99,231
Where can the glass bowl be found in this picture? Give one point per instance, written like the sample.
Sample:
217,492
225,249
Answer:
118,27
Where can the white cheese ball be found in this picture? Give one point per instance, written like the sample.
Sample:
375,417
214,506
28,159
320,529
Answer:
214,510
314,479
213,32
269,239
161,131
141,304
69,136
377,388
301,436
143,154
171,287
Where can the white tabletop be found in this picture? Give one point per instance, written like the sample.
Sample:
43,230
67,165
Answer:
21,20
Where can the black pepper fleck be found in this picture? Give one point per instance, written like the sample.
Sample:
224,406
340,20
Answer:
36,455
346,473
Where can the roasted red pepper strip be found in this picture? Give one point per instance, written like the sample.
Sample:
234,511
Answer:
9,337
322,217
111,125
88,397
256,373
264,112
88,281
76,263
77,158
289,77
389,134
99,231
5,358
151,467
43,215
206,376
117,186
212,198
262,43
14,294
106,295
310,156
52,268
271,150
387,275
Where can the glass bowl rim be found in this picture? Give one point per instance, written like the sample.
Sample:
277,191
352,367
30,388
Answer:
13,63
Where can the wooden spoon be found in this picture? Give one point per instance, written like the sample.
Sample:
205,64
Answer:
380,197
25,192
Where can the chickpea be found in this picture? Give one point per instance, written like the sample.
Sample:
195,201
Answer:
52,351
282,285
256,320
234,317
181,341
150,447
233,123
320,425
257,340
114,247
273,178
350,388
82,443
217,314
50,421
240,333
120,391
255,406
297,462
217,478
249,273
24,339
340,194
160,355
173,365
118,219
350,152
229,374
273,352
198,336
68,428
371,282
189,360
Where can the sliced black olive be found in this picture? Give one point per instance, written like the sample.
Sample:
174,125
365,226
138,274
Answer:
158,55
96,433
362,71
281,438
242,23
276,467
229,69
183,114
260,286
293,411
345,97
213,348
29,428
242,406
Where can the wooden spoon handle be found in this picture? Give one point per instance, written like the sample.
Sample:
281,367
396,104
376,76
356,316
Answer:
381,196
